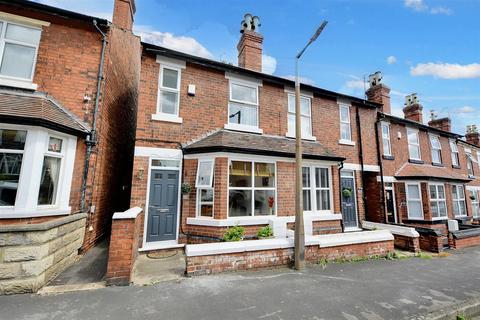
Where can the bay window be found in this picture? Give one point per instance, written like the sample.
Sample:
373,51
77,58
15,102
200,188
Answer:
252,189
475,196
413,144
205,190
317,189
306,116
36,166
454,153
436,149
414,201
458,198
387,147
438,203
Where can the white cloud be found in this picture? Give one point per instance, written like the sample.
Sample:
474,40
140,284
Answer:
169,40
465,109
421,6
447,70
303,80
356,84
392,60
269,64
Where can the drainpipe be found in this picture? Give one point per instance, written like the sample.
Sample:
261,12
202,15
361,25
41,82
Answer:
340,167
360,151
379,159
91,140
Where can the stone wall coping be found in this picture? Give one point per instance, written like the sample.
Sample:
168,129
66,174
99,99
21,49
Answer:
252,221
324,241
394,229
131,213
43,225
466,233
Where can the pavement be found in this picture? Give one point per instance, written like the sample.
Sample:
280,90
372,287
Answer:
151,269
373,290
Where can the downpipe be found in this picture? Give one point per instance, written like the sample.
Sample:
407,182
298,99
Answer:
379,160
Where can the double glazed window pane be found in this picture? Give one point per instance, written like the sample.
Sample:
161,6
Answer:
242,114
49,180
168,102
12,139
17,61
10,165
321,178
345,131
170,78
205,173
436,158
240,174
264,175
23,34
243,93
206,202
414,204
414,151
264,202
240,203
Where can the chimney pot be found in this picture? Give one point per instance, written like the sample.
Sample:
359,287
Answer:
473,136
250,44
413,109
378,92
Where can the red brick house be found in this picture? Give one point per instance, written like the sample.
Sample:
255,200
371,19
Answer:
429,174
214,148
68,96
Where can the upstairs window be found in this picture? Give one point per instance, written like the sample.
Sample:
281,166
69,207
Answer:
436,149
19,46
387,147
243,105
345,128
454,153
306,116
413,144
470,165
169,91
438,202
458,198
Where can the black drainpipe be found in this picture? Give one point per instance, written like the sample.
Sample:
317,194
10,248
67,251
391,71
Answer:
360,151
379,159
91,140
340,167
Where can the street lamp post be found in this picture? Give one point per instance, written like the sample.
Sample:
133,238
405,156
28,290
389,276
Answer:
299,223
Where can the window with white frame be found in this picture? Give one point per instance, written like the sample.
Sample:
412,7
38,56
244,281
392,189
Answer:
345,128
414,201
387,147
243,104
205,190
454,153
36,167
317,189
252,189
169,91
470,165
306,116
413,144
438,202
475,197
436,149
458,198
19,46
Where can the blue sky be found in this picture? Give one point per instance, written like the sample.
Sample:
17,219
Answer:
425,46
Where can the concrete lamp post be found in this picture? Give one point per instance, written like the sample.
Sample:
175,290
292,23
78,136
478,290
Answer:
299,223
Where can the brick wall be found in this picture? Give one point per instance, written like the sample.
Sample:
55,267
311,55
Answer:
460,243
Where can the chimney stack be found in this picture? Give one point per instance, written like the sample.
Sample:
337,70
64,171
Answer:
378,92
250,44
413,109
473,136
123,13
444,124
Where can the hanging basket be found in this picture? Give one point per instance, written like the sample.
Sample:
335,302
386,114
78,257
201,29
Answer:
346,192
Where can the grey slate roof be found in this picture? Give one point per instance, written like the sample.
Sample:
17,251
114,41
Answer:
249,143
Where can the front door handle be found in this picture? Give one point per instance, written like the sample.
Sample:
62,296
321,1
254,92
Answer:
163,210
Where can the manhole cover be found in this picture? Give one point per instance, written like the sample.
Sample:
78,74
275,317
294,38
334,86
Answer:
161,255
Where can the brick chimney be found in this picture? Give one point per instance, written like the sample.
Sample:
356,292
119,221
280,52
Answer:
473,136
250,44
413,109
123,13
378,92
444,124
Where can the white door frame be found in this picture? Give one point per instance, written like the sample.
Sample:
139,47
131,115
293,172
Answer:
354,177
394,201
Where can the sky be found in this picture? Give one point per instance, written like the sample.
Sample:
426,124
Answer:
428,47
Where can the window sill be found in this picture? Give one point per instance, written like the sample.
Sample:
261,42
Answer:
346,142
416,161
471,177
166,118
440,219
18,84
456,167
388,157
243,128
436,164
22,213
309,138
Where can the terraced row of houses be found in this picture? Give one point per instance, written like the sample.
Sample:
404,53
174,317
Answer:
93,121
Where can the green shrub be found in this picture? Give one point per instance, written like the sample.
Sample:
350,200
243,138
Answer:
234,234
265,232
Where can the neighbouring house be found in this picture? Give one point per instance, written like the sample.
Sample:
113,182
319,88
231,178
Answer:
429,175
68,97
215,148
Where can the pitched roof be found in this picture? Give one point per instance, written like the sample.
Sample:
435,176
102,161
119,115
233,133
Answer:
39,109
249,143
428,172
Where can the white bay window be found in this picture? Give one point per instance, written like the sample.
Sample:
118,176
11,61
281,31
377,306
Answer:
438,202
458,199
475,197
317,189
414,201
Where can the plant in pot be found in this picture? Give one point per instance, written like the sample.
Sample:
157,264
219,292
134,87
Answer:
235,233
346,192
186,188
265,233
271,203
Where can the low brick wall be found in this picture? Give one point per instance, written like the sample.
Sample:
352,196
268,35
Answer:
124,243
251,260
464,238
405,238
431,240
407,243
33,254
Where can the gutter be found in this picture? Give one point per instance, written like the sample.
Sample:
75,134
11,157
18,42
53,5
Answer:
380,163
91,140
